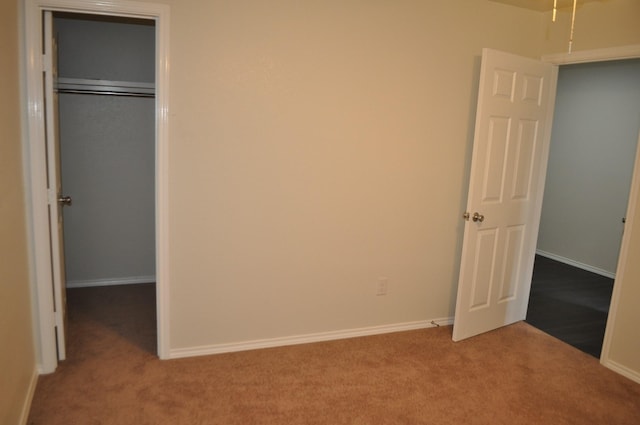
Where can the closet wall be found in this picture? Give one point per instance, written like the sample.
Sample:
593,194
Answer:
107,151
591,160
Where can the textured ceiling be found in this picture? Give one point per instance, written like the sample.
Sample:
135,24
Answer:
542,5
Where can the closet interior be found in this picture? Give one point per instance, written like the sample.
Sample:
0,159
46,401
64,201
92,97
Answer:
105,86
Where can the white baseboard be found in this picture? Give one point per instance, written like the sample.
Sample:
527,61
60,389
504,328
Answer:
577,264
622,370
26,405
305,339
109,282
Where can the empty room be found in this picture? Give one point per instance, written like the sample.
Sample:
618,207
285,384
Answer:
341,202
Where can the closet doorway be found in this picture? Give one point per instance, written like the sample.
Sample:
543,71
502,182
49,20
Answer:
105,88
591,161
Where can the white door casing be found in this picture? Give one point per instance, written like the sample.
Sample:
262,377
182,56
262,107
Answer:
43,256
511,146
634,199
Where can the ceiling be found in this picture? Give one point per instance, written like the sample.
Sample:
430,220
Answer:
542,5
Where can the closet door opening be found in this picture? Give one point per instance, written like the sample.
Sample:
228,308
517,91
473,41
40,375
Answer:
106,88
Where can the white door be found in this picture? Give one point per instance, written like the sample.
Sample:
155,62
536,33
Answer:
54,184
511,146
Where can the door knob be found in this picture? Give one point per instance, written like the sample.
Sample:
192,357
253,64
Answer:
477,217
65,200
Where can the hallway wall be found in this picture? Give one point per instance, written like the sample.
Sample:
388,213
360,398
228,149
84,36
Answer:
592,155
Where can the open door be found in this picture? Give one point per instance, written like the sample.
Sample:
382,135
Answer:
54,184
511,146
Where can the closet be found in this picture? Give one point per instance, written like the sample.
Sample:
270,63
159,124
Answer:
106,109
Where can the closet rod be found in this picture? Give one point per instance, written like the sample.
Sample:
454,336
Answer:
106,93
104,87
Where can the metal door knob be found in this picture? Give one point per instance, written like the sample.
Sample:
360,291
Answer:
65,200
477,217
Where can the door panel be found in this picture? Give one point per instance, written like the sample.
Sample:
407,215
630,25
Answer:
54,184
513,251
515,103
483,269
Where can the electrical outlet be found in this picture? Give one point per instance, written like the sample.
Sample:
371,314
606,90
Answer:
383,286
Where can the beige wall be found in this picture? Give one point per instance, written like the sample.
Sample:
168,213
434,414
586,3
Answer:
17,361
600,25
315,147
318,146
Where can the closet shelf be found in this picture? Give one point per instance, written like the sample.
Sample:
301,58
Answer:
104,87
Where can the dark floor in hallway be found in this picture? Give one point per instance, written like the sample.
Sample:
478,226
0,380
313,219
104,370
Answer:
570,304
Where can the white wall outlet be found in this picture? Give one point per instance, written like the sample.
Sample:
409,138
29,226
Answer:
383,286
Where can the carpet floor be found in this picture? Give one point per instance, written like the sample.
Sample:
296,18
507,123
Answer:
514,375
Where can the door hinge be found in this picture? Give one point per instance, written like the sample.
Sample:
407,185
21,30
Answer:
45,64
52,197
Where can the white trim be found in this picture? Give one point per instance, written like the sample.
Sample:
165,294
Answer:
622,370
596,55
306,339
574,263
162,180
36,191
634,198
26,405
130,280
35,163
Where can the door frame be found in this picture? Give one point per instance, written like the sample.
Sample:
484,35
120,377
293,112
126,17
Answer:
35,165
605,55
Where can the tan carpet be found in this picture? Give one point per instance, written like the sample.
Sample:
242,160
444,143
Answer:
515,375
